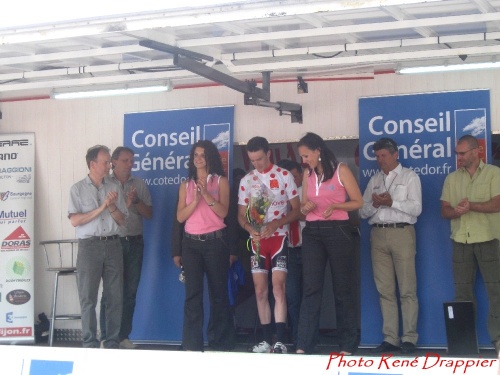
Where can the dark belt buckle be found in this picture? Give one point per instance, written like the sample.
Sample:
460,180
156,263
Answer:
103,238
202,237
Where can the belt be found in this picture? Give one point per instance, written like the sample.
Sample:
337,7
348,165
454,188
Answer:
205,236
105,238
326,223
391,225
132,238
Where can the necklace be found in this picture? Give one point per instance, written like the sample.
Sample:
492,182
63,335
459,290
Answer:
388,188
320,178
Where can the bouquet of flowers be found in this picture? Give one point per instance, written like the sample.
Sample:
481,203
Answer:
257,211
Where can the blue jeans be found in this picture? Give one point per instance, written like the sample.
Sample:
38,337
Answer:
100,259
294,288
332,242
210,258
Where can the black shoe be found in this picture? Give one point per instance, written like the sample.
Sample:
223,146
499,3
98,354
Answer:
407,348
385,347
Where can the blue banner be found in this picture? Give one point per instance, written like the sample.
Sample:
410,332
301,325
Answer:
426,128
161,142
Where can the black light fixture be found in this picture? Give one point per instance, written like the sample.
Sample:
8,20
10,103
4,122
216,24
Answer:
253,95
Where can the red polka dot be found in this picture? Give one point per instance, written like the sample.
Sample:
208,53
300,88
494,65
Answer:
242,188
279,169
255,178
294,192
273,175
285,173
276,213
282,192
246,200
283,215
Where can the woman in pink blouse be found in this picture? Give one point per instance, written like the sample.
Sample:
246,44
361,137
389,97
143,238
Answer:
203,205
329,191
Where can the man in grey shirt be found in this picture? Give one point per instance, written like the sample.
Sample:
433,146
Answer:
139,206
97,210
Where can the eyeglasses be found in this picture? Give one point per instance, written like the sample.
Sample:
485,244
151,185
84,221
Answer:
462,153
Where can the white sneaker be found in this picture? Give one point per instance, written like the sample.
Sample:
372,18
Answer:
279,347
127,344
263,347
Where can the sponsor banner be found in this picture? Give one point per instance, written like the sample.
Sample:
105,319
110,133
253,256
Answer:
161,142
24,360
18,297
17,168
16,331
17,240
426,128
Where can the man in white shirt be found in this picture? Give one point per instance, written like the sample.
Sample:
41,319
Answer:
392,203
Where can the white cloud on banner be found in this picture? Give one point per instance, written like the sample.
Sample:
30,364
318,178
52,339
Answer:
222,140
476,127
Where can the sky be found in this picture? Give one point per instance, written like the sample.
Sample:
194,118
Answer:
19,13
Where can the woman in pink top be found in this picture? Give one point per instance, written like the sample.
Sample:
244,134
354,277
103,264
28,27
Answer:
203,205
329,191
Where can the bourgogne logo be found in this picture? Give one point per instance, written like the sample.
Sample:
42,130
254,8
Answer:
12,195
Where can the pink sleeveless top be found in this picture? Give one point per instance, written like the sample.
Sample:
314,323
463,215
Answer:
324,194
203,219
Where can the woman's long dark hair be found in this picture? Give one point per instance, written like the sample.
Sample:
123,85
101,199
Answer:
328,160
212,157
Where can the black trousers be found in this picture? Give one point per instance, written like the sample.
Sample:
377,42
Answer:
211,259
328,242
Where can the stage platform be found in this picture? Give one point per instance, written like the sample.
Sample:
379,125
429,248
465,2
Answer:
156,358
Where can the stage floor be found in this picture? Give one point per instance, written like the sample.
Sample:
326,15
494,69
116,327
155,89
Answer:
70,358
327,345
